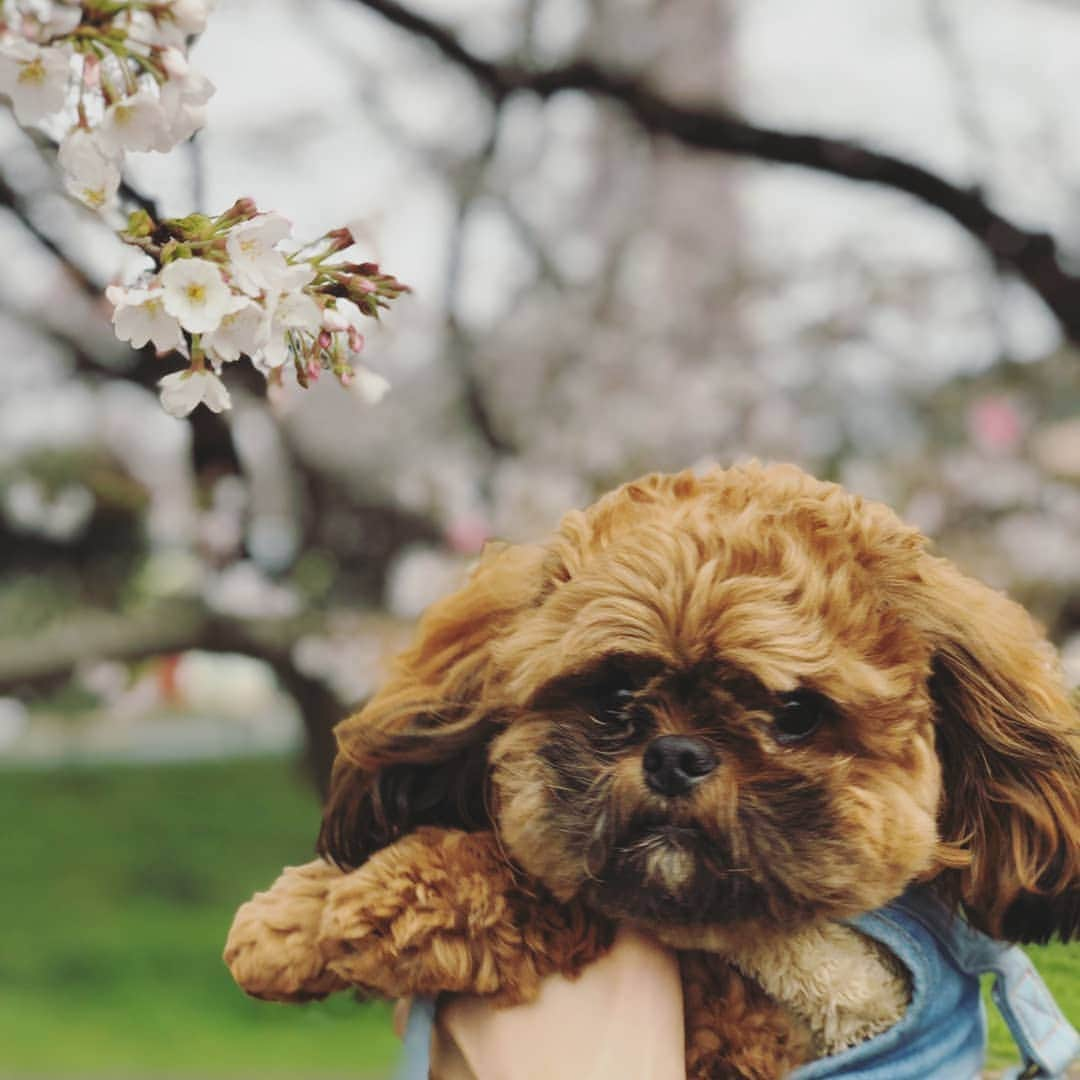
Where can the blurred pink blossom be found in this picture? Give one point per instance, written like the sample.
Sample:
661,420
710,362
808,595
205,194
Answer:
468,534
995,424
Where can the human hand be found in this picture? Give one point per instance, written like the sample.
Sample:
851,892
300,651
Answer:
623,1016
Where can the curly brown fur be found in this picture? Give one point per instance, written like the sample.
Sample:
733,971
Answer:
440,910
840,712
443,911
947,751
273,946
733,1030
416,755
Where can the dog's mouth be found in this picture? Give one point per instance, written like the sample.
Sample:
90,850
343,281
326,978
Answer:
663,872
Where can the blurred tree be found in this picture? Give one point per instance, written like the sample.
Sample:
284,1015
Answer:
602,307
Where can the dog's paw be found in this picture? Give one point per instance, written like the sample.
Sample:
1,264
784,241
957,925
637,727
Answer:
272,949
433,912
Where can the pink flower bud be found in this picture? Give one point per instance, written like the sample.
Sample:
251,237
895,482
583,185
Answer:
362,285
340,239
91,72
244,209
345,376
325,339
356,339
313,370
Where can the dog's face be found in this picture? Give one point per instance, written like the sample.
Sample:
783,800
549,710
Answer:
699,793
744,698
718,718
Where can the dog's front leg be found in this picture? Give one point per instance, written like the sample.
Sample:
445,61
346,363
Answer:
442,910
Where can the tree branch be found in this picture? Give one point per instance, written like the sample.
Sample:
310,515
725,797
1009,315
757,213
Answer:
52,655
469,185
1032,256
135,197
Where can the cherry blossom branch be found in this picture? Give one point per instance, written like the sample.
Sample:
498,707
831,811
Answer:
1032,255
223,287
115,73
218,288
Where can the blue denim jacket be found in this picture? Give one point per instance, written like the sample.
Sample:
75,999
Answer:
942,1035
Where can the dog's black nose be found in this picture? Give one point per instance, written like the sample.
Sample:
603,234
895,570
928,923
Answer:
673,764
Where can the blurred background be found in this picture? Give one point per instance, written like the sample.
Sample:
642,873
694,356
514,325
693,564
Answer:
186,607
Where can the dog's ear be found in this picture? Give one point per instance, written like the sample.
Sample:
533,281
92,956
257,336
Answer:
1009,743
416,753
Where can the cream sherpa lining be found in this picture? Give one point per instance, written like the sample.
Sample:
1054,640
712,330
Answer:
844,985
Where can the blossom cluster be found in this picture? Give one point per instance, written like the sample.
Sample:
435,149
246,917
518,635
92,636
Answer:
114,72
237,285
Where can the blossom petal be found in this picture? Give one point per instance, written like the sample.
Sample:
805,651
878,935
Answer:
181,391
195,293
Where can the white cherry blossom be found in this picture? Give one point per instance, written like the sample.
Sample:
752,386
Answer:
195,293
149,30
165,103
183,390
295,277
291,311
133,123
183,100
257,265
35,78
240,296
139,316
174,62
62,20
334,320
297,310
90,172
243,332
190,15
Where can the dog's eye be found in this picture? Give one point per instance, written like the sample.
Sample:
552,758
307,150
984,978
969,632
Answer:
617,716
800,714
618,707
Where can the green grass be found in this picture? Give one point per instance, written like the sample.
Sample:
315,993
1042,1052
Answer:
117,889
